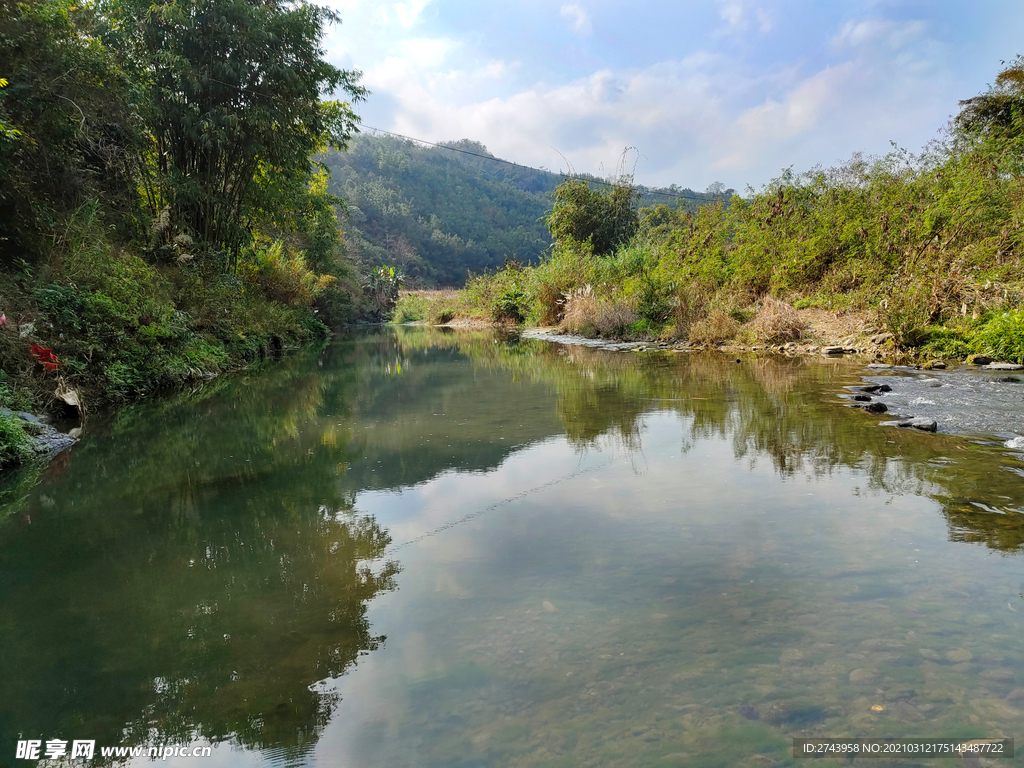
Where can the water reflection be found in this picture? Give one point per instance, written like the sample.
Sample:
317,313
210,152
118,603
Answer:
605,556
783,410
193,571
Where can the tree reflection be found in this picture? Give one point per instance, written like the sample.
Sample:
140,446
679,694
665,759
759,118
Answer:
785,410
194,574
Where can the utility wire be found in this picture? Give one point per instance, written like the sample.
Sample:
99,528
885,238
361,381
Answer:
530,168
588,179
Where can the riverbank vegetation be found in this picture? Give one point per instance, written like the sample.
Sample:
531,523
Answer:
163,216
930,244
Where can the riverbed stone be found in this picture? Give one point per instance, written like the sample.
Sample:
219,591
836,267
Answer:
861,676
876,407
933,365
959,655
1007,379
832,350
1004,367
920,422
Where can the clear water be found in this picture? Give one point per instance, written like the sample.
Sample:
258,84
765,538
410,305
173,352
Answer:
416,548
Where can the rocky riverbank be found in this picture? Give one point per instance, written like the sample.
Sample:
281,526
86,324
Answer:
46,440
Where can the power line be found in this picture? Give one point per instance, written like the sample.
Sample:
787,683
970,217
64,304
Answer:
588,179
527,167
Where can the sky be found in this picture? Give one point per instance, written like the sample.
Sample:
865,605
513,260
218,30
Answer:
730,91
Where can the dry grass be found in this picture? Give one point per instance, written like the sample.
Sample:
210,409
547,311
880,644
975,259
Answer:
716,328
776,323
586,314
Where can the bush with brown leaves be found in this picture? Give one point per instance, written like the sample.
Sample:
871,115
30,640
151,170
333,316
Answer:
716,328
776,322
587,314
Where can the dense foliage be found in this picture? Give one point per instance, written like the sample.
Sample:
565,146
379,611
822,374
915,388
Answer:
439,214
933,243
162,213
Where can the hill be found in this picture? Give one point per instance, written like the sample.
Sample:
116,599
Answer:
441,212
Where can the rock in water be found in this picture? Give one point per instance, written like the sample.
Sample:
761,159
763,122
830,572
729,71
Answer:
920,422
1004,367
979,359
876,408
832,350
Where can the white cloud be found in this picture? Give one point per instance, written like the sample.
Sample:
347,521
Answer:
409,13
578,19
894,34
737,15
724,112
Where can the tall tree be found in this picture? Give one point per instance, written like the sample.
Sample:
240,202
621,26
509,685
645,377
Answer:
235,106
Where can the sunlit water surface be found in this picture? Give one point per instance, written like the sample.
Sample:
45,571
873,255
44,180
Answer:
415,548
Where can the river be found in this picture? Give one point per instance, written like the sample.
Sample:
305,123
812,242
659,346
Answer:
415,547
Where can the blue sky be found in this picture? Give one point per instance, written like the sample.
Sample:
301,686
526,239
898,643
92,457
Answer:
716,90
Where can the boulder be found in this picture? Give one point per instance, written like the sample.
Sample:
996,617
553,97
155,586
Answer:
979,359
876,407
933,365
832,350
1004,367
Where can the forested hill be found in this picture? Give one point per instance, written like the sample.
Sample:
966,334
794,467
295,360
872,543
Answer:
438,215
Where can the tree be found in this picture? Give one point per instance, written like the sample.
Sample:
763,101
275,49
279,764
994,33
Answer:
607,218
67,136
234,105
999,112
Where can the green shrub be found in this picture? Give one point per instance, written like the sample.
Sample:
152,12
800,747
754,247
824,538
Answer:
1002,337
410,308
15,443
905,314
509,307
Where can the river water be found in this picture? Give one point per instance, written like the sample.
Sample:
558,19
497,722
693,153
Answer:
426,548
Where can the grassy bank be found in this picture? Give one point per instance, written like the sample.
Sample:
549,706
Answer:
927,246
